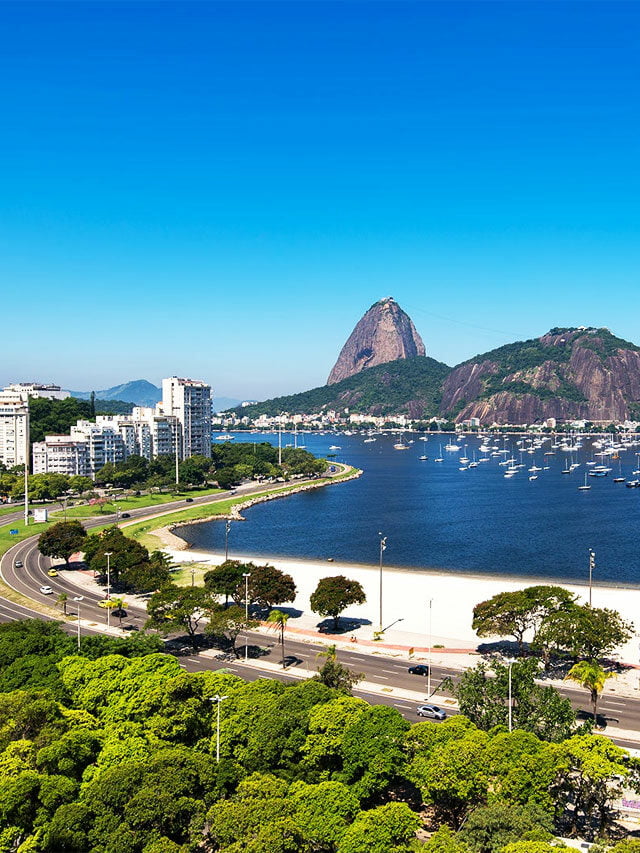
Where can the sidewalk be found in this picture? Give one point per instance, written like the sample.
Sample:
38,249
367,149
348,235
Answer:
399,645
413,697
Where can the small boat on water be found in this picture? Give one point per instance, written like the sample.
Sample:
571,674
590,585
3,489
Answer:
334,447
423,458
586,487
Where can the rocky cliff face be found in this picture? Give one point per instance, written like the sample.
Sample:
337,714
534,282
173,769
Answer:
384,334
566,374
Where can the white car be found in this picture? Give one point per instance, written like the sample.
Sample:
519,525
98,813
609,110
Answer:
46,590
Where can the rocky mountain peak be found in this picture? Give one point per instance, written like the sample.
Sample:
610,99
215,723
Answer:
385,333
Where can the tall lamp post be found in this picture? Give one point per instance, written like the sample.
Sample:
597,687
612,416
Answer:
108,555
78,599
429,652
592,565
218,700
227,528
511,662
383,546
246,576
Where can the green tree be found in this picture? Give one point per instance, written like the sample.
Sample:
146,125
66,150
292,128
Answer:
62,599
226,579
322,812
584,632
444,841
79,484
229,622
514,613
386,829
62,540
126,553
333,674
147,575
452,775
483,691
489,828
279,620
590,675
332,595
590,771
269,586
175,608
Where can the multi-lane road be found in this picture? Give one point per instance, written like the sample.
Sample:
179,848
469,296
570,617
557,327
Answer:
387,672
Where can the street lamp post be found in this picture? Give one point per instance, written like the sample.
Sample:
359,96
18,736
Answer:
218,700
227,528
429,652
592,565
193,578
510,662
383,546
78,599
246,576
108,555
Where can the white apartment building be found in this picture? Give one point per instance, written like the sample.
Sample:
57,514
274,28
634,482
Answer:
60,454
104,444
14,428
37,389
189,401
145,432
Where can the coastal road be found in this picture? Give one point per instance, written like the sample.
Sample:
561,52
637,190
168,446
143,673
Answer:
388,672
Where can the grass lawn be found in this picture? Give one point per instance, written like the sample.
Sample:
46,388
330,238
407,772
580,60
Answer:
182,577
143,530
126,504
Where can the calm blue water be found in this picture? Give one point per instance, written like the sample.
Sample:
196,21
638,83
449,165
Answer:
436,516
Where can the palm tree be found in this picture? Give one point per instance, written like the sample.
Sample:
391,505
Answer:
279,621
120,605
62,599
590,675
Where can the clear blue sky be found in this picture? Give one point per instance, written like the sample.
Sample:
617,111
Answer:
220,190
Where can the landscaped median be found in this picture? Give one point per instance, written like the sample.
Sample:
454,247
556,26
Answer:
125,504
230,507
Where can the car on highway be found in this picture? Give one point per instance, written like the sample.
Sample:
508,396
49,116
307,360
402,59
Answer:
52,573
124,515
188,500
18,564
431,711
419,669
46,590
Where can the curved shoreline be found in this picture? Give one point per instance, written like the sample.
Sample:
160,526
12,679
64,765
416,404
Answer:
169,537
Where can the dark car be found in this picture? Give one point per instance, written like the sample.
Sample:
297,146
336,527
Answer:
18,564
188,500
431,711
124,515
420,669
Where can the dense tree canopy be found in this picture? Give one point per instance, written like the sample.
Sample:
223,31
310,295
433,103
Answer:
116,753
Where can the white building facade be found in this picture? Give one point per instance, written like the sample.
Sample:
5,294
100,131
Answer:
60,454
189,401
14,428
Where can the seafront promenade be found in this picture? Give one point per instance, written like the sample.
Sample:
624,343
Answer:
409,620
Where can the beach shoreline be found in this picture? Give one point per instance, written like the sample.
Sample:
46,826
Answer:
407,615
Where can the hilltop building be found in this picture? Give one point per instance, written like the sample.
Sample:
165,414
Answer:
36,389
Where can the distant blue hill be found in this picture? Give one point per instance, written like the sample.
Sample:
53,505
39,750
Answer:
221,404
139,392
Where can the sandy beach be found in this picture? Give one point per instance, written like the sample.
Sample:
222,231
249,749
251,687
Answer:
406,596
